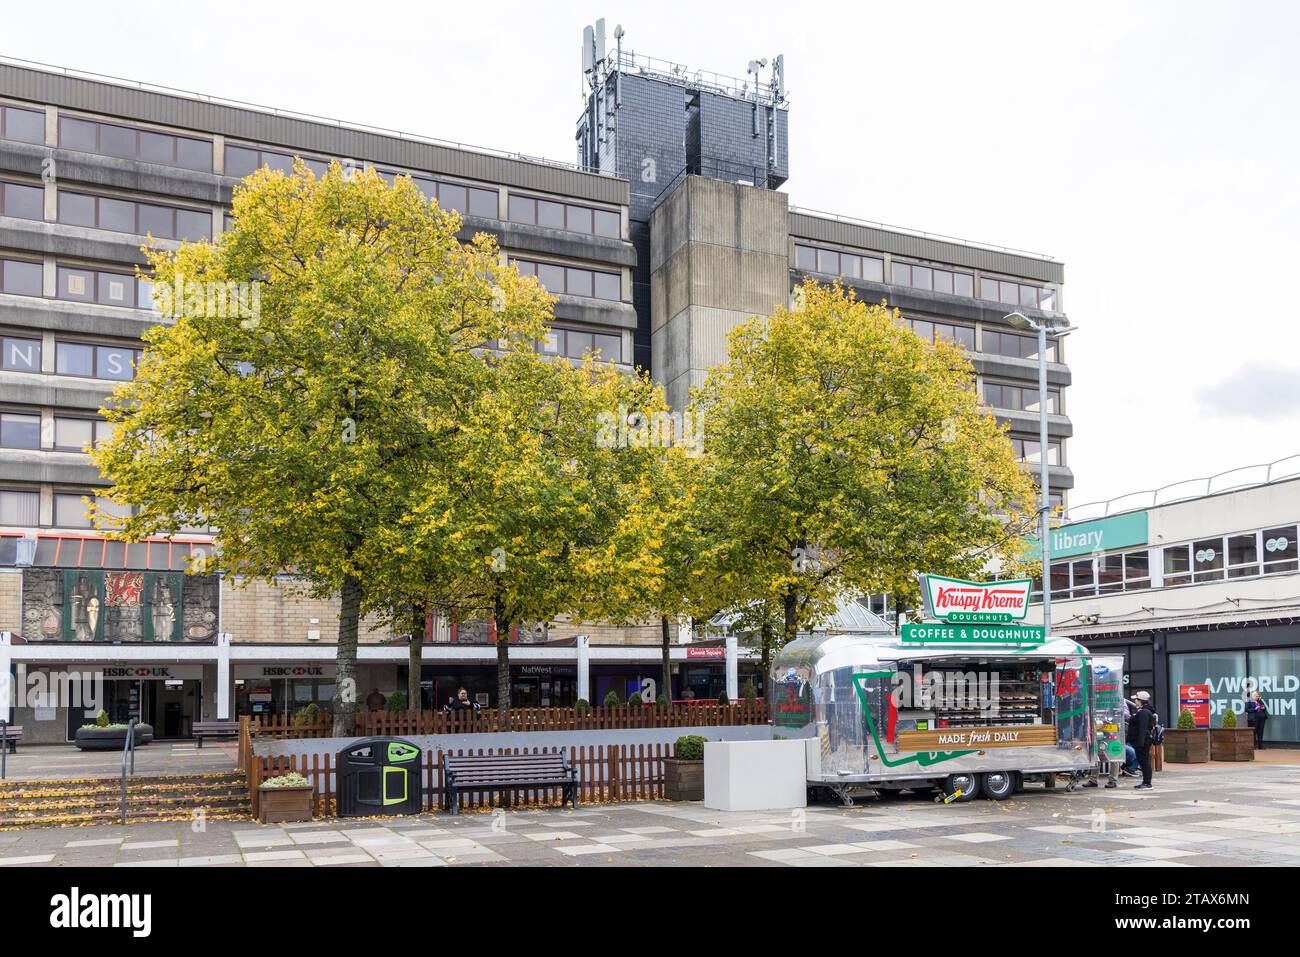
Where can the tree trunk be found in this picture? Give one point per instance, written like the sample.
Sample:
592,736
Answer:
503,670
415,657
345,656
790,605
667,669
765,651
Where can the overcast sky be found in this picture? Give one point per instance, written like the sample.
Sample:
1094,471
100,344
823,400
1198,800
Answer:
1151,147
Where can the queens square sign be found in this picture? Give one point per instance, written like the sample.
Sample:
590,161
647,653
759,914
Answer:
954,600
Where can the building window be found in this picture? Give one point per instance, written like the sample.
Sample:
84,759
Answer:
22,201
832,262
243,161
573,280
21,278
20,508
1243,556
25,126
1207,560
18,431
1178,565
1019,398
91,285
576,343
571,217
1137,570
1011,293
1015,346
125,142
20,355
77,435
1027,450
154,219
116,363
1279,549
919,276
930,331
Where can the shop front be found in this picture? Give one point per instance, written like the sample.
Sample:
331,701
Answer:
531,685
1233,661
282,690
168,697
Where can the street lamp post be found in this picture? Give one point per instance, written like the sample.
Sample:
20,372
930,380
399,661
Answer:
1059,329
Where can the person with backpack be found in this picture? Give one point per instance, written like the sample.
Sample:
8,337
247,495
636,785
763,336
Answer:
1143,732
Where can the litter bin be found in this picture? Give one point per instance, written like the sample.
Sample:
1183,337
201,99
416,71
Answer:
379,776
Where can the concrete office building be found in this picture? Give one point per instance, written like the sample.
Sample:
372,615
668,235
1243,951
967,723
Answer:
651,270
1197,583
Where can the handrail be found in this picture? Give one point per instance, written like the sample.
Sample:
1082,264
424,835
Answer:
128,745
1204,486
4,746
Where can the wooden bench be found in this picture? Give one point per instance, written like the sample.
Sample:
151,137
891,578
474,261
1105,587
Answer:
504,772
214,729
11,734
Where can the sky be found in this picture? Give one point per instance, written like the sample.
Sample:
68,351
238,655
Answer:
1150,147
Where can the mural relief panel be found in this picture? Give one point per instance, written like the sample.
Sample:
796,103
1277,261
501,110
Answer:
75,604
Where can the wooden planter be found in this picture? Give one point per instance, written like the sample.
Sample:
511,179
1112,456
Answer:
1187,747
683,780
1232,744
284,805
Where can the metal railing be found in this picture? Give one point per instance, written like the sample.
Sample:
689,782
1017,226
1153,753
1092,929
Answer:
127,747
1193,488
287,114
4,749
678,73
921,234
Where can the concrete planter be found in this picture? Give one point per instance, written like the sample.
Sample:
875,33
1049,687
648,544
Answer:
110,739
284,805
1187,747
683,780
1232,744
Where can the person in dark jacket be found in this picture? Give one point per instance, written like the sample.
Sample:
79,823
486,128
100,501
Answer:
1257,717
1139,735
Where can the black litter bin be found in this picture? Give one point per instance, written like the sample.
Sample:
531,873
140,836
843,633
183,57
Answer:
378,776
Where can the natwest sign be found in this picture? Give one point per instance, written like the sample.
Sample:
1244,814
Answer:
951,599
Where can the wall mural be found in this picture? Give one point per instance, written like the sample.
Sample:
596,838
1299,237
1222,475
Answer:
76,604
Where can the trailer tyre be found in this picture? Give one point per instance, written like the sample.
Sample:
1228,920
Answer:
967,783
998,785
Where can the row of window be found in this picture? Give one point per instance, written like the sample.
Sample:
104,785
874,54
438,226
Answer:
127,142
930,331
25,126
1019,398
918,276
20,430
567,216
116,363
131,216
573,280
576,343
1015,346
23,508
77,284
1267,551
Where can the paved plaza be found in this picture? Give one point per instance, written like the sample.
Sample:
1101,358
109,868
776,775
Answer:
1205,815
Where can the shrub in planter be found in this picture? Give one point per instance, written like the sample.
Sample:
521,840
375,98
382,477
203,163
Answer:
1187,744
1231,743
110,737
309,714
285,798
723,699
749,693
635,699
396,702
684,771
612,700
663,702
582,706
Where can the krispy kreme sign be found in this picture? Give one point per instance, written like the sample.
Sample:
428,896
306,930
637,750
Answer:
951,599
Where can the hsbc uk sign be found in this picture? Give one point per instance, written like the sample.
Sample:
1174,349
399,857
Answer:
954,600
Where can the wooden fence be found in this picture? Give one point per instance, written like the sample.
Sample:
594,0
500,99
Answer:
623,772
682,715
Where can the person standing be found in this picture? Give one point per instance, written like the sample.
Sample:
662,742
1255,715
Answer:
1139,735
1257,717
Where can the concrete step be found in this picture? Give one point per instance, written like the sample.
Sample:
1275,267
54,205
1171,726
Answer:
172,797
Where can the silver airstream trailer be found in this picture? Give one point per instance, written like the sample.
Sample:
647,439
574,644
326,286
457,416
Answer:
885,716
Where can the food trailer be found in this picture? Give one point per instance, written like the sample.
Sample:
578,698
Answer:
958,707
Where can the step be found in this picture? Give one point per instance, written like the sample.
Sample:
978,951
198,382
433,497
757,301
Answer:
79,818
115,780
229,798
170,791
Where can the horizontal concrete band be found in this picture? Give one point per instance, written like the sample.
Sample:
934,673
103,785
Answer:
294,133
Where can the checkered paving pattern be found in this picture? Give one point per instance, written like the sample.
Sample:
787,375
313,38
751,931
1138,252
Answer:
1204,816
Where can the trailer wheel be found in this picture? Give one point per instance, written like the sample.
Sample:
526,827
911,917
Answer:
967,783
998,785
